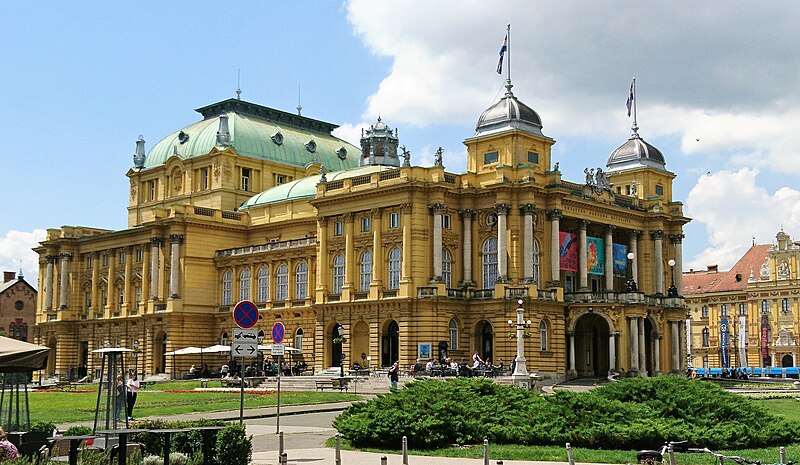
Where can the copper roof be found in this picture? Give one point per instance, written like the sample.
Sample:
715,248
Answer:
735,279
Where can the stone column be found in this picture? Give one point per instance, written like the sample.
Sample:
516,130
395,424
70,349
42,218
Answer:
555,257
126,290
657,357
349,257
96,304
174,265
145,276
323,273
612,352
658,265
634,341
609,262
466,221
111,302
571,337
677,243
437,209
377,249
48,282
155,245
63,286
642,347
408,249
502,210
676,354
527,210
633,247
583,275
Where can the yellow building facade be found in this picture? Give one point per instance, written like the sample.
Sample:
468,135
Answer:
747,316
366,258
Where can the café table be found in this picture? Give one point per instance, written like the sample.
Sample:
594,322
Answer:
123,440
208,443
74,443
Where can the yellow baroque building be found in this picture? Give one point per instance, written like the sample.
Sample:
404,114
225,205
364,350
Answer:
368,259
747,316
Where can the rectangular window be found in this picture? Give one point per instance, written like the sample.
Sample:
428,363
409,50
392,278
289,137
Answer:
704,312
88,300
394,220
120,295
765,307
445,221
139,255
742,309
365,223
280,179
490,157
105,259
89,262
659,189
533,157
104,297
723,310
204,179
122,257
628,189
337,228
151,190
245,179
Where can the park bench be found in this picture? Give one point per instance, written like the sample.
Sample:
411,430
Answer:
334,383
230,382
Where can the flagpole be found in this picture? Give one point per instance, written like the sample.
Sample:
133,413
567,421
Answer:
635,98
508,52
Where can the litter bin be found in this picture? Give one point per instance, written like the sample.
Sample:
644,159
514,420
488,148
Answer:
534,384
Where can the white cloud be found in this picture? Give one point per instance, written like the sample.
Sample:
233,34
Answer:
733,209
16,246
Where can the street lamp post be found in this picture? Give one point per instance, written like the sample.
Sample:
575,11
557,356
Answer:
631,282
672,291
520,376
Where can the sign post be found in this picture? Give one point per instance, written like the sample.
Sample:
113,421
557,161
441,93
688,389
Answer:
278,333
245,342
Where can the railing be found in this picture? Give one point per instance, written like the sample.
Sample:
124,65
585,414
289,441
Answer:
456,293
280,304
224,309
298,302
158,308
334,297
385,175
231,215
333,185
516,292
203,211
482,293
389,293
546,294
359,180
360,295
426,292
450,178
268,247
624,298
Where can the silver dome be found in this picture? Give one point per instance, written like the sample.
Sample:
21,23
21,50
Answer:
635,153
507,114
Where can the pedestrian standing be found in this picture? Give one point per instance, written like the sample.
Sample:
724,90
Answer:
394,374
133,389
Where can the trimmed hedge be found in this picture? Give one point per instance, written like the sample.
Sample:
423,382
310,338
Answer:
634,413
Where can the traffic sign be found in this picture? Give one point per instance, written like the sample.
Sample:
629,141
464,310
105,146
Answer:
245,343
278,332
278,350
245,314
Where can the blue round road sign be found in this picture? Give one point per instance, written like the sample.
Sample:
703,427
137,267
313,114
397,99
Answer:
278,332
245,314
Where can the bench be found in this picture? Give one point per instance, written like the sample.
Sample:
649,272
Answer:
335,383
230,382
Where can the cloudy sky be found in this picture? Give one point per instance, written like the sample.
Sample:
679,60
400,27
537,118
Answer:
718,92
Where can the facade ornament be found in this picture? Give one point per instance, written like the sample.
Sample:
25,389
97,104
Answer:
555,214
133,189
406,156
437,208
466,213
634,188
658,234
437,158
676,238
322,172
597,180
502,208
527,209
555,168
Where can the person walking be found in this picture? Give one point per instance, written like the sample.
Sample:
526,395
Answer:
133,389
394,374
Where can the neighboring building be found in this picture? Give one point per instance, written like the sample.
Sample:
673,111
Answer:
747,316
17,307
366,258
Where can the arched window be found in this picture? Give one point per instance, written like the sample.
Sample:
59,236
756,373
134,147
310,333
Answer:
705,337
282,283
338,274
244,284
543,335
365,267
453,330
301,281
536,262
298,339
447,267
263,284
223,339
227,288
395,264
489,262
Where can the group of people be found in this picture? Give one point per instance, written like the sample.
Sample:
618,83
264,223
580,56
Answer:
232,370
452,367
126,395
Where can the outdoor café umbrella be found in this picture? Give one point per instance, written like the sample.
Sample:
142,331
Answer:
18,357
186,351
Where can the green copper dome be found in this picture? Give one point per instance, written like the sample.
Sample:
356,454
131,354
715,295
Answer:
306,187
259,132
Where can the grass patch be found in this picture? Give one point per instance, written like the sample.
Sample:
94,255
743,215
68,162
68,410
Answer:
157,400
786,407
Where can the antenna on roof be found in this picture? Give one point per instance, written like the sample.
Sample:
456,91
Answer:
19,275
238,84
299,107
754,241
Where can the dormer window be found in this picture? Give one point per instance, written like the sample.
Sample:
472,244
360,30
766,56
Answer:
659,189
311,146
245,179
533,157
491,157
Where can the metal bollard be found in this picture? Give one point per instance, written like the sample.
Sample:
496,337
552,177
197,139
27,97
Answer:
570,458
499,462
485,452
405,450
672,455
338,451
280,446
284,459
783,454
383,460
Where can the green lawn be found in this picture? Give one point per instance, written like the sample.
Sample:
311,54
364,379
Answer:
787,407
68,407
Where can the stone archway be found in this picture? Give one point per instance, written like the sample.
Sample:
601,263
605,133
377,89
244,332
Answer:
484,340
787,361
359,346
591,335
390,343
159,352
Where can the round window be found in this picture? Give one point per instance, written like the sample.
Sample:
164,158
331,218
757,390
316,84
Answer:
19,305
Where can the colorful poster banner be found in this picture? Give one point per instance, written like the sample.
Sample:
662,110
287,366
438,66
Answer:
595,256
742,335
765,360
620,260
724,340
568,251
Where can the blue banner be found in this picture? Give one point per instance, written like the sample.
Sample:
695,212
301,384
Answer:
620,260
724,338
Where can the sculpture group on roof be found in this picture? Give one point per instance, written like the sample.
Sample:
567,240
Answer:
597,179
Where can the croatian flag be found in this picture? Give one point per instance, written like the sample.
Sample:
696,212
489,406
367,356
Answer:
502,54
629,103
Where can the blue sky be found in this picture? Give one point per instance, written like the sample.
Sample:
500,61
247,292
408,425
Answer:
717,92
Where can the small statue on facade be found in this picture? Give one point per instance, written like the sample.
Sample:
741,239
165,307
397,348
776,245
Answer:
634,188
555,168
437,158
322,172
589,172
406,156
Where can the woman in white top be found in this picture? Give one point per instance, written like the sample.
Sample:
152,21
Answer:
133,388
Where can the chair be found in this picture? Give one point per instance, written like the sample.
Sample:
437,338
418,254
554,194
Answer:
59,450
130,449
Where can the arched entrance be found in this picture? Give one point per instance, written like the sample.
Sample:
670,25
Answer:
359,346
484,340
591,345
787,361
390,344
159,351
52,343
337,341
